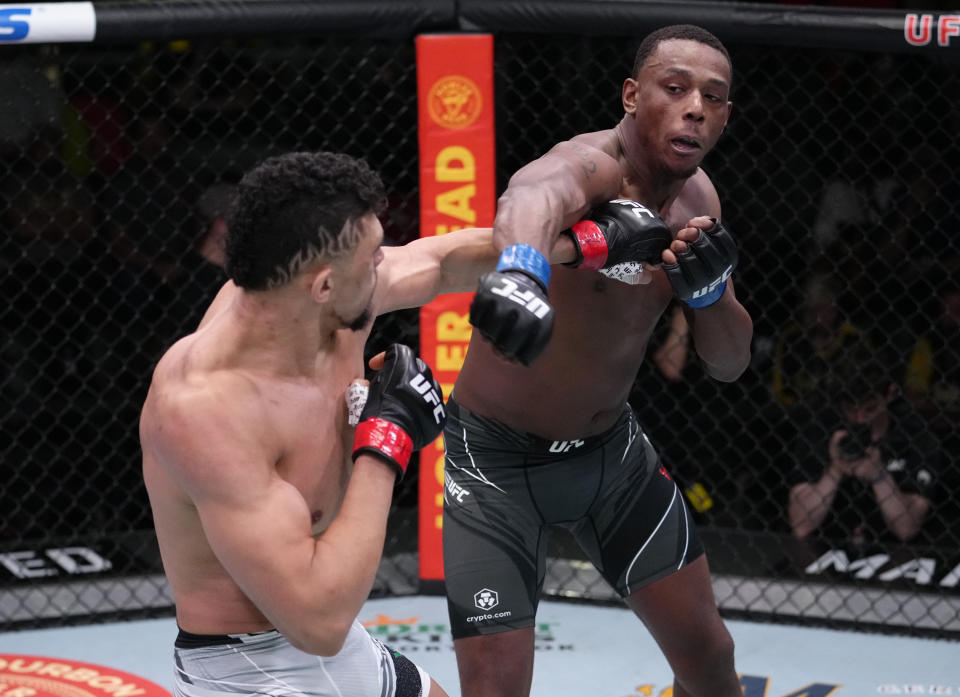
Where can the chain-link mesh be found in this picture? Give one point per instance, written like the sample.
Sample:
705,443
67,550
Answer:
836,173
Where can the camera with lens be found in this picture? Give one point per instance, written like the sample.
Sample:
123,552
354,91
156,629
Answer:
854,444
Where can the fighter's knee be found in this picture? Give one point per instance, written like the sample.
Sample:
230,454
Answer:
707,668
720,652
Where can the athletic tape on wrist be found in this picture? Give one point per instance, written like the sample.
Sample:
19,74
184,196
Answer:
523,257
592,245
708,298
386,438
356,396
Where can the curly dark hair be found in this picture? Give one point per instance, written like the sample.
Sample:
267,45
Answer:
688,32
293,209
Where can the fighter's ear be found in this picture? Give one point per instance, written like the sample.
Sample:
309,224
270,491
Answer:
321,284
629,95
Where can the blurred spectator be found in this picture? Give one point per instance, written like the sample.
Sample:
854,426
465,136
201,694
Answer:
887,269
856,199
866,469
199,273
932,379
147,220
925,207
805,348
146,202
213,207
710,452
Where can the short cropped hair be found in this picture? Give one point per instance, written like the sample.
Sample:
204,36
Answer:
686,32
292,210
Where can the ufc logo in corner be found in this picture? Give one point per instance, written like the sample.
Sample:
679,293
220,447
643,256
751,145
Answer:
527,299
430,396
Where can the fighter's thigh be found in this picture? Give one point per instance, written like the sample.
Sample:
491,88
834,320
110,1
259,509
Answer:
640,529
493,561
681,613
496,664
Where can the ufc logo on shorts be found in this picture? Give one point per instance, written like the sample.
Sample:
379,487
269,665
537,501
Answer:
563,446
425,390
638,209
527,298
713,284
456,491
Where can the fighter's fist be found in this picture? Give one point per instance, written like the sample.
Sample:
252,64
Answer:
510,307
619,231
404,409
700,273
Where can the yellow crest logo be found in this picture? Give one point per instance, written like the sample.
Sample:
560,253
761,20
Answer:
454,102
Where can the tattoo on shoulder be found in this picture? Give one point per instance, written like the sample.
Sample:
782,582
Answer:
589,166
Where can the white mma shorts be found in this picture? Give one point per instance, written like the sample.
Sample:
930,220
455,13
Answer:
265,663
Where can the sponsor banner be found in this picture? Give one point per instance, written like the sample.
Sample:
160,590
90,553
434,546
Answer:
47,22
902,567
39,676
457,190
27,564
31,561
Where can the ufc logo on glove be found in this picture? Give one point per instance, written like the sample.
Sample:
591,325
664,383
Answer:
637,209
713,286
430,396
527,299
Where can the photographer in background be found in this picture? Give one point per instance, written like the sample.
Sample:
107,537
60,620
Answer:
865,472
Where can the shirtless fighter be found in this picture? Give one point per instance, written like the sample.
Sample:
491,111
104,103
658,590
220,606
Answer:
270,535
539,432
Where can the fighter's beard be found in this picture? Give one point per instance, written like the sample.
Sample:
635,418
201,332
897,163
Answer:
359,322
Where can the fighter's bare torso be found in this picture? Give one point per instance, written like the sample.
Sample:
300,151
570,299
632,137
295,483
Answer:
300,422
578,386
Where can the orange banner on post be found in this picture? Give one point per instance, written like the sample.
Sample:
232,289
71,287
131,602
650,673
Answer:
457,190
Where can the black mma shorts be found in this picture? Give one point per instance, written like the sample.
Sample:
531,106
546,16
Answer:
505,489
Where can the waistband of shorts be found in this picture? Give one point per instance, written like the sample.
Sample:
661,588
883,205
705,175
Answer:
534,444
189,640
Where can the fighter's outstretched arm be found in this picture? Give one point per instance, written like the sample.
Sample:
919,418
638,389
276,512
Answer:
415,273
